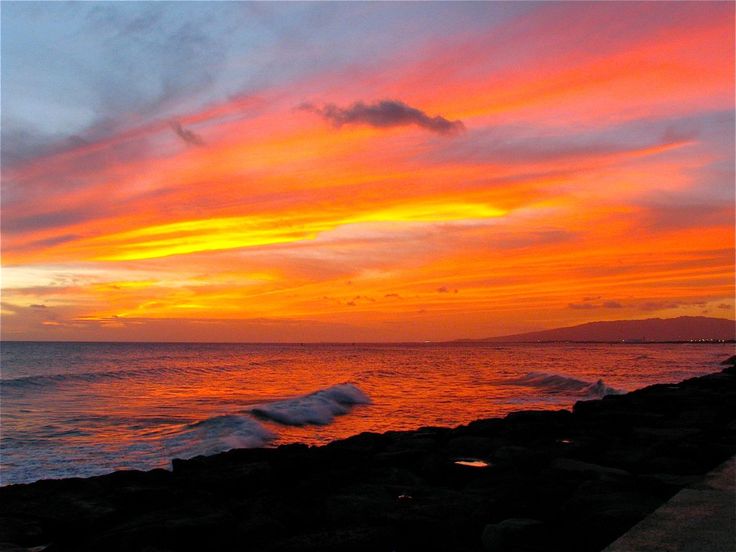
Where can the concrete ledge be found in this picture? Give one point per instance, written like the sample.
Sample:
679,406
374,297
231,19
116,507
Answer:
701,518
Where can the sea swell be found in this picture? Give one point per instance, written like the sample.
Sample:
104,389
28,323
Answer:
162,439
40,381
565,385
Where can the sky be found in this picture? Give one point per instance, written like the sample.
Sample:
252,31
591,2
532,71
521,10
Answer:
363,171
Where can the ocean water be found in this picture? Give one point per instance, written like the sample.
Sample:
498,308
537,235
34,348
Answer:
80,409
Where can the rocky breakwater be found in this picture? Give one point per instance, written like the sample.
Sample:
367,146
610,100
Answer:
532,481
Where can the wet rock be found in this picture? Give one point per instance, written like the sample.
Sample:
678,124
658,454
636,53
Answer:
20,531
511,534
258,529
586,468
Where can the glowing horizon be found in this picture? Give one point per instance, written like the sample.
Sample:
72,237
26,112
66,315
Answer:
363,172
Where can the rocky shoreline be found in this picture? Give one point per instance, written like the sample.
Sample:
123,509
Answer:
532,481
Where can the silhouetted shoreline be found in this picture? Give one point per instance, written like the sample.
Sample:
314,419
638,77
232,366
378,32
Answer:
534,480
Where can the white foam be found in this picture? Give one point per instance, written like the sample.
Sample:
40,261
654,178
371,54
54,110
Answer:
217,434
318,408
555,383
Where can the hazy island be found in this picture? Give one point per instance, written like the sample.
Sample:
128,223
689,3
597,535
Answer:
650,330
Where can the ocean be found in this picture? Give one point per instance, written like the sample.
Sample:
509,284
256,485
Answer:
81,409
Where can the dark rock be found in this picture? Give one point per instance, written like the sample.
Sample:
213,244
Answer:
20,531
603,510
510,534
487,428
469,445
587,469
10,547
359,539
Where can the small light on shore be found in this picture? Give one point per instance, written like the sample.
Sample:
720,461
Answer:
565,441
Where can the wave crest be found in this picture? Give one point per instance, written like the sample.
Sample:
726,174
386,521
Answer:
217,434
318,408
555,383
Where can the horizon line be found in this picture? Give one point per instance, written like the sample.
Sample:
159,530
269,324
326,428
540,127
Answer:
461,341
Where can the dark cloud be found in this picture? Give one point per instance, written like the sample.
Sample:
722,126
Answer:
674,134
660,305
724,306
384,113
37,291
187,135
22,144
392,295
587,306
38,306
10,307
50,219
443,289
520,240
38,244
685,211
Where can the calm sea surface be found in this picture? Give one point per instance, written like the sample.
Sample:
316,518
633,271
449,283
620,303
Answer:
88,408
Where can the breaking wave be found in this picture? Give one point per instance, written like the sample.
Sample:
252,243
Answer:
318,408
554,383
217,434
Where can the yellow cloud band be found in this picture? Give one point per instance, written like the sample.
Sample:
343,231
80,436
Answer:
218,234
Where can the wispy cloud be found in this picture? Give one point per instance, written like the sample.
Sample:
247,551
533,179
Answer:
190,137
384,113
588,306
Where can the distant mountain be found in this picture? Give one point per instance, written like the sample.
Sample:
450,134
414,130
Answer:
683,328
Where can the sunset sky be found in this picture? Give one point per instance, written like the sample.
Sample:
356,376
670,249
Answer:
363,171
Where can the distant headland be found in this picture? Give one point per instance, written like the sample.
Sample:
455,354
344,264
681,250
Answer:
650,330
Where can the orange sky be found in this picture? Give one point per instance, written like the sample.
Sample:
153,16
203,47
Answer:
525,168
